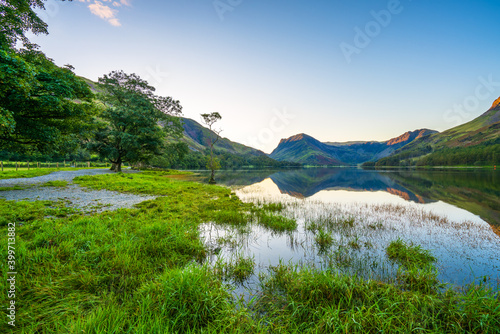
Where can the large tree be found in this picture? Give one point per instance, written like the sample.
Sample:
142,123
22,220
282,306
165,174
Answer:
43,107
18,17
134,122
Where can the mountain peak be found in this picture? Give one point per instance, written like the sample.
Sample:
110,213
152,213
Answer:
496,104
410,136
297,137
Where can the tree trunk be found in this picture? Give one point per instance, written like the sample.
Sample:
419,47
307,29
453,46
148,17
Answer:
118,165
212,177
113,167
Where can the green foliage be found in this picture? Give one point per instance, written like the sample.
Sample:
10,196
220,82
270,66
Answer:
212,162
187,299
324,239
417,272
239,269
43,108
133,121
18,17
312,301
483,155
276,223
231,217
409,255
172,154
137,271
227,160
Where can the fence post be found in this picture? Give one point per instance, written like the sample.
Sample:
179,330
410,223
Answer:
57,164
88,164
16,166
2,165
28,165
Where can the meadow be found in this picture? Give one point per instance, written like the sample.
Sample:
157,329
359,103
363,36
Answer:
148,270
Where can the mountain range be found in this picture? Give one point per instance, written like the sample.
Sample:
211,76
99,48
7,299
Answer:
477,141
307,150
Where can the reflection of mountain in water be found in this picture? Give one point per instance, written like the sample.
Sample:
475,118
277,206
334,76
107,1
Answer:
307,182
475,191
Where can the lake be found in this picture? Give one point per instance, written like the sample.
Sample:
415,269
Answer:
453,213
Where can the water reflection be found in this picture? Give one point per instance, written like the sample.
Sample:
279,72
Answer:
446,212
475,191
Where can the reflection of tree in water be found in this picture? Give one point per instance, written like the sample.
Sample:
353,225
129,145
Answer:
475,191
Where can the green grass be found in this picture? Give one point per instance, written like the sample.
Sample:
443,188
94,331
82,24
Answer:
56,183
409,255
13,188
238,269
11,173
324,239
276,223
305,300
144,270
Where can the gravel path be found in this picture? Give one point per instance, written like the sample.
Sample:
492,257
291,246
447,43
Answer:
87,200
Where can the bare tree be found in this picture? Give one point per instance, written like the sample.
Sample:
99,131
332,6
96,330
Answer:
209,120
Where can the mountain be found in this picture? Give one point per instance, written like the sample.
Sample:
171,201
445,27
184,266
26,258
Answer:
475,142
231,155
305,149
197,137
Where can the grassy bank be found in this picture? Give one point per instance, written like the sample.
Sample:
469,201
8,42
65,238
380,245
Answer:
11,173
143,270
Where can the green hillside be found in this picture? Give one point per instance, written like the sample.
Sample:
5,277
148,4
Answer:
196,137
474,143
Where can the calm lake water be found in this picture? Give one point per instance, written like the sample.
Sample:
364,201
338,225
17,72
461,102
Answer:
454,214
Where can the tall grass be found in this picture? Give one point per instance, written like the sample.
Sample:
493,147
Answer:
144,270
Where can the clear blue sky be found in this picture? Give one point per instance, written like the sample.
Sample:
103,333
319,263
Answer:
338,70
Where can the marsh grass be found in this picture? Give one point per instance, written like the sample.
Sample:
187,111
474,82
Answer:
409,255
276,223
324,239
92,272
302,299
145,270
237,269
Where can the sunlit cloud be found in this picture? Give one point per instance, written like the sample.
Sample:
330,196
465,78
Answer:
104,10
